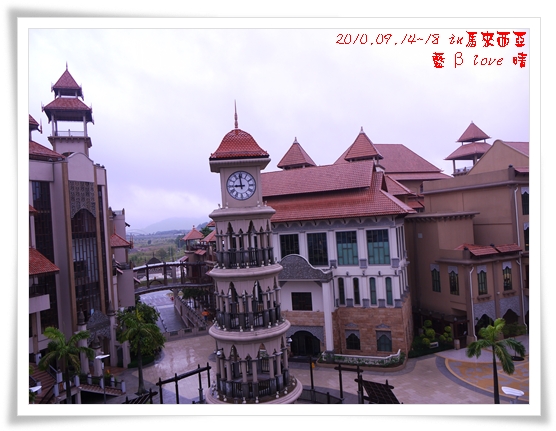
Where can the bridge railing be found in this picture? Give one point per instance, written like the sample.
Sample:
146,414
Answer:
174,273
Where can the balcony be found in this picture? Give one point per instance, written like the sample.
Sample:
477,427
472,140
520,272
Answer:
245,258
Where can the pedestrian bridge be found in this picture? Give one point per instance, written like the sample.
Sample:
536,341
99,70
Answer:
172,275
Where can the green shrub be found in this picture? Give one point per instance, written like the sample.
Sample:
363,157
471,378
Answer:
513,330
146,361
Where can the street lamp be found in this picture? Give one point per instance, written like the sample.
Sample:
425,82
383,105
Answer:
101,357
35,390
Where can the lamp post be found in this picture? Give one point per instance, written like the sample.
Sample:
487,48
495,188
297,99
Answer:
101,358
35,390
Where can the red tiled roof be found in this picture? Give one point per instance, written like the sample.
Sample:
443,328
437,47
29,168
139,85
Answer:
522,147
361,149
362,202
397,158
522,169
507,248
211,223
419,176
117,241
38,264
192,235
40,152
65,104
66,82
296,157
395,188
478,250
211,237
483,250
400,159
472,134
238,144
415,204
32,210
317,179
33,124
468,151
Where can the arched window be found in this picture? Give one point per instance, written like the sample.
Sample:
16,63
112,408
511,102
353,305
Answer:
352,340
356,295
454,280
341,291
435,275
389,297
384,341
482,280
372,284
507,274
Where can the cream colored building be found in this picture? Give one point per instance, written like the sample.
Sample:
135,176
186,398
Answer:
469,250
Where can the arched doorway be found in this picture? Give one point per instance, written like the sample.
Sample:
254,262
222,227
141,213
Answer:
304,344
511,317
483,322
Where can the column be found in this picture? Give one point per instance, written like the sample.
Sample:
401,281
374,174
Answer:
81,326
254,364
279,371
113,326
244,382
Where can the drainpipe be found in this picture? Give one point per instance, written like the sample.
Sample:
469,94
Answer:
519,260
516,217
471,295
522,297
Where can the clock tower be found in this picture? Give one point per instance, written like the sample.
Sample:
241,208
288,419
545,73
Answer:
249,329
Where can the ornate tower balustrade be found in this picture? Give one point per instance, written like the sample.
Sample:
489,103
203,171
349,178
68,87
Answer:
248,311
252,379
238,249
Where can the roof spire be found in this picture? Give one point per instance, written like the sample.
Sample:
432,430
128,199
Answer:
235,114
361,130
66,65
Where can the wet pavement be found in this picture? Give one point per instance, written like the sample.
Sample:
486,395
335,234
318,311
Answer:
444,378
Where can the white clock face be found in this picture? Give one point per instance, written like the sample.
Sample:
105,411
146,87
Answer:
241,185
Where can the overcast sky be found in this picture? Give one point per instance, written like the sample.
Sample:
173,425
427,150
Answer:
163,98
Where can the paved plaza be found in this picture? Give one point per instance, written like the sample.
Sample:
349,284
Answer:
444,378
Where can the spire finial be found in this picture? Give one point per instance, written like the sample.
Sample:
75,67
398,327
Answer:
361,130
66,65
235,114
295,141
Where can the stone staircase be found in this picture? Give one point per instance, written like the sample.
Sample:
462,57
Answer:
46,381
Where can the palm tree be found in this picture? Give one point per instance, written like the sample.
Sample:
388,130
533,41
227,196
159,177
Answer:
144,336
490,338
66,353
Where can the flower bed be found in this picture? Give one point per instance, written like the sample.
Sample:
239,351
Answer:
390,361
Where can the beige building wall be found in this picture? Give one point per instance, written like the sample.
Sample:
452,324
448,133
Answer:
499,156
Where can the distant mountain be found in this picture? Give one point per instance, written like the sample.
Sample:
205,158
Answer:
182,224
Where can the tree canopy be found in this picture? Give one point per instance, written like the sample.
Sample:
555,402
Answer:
138,326
65,353
490,338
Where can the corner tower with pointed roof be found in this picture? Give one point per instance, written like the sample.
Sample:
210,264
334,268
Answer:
249,329
296,157
470,149
68,110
